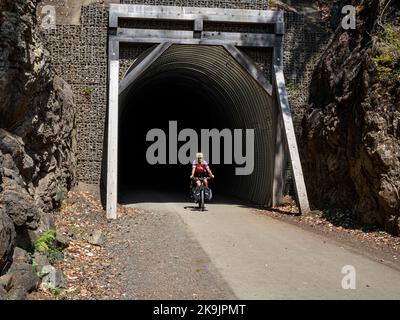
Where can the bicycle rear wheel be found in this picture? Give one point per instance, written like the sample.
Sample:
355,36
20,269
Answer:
201,202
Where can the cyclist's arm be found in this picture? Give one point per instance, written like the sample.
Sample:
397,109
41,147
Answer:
193,169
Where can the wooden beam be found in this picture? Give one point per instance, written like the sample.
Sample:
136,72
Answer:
283,103
191,13
112,147
280,156
186,37
280,28
198,25
143,65
278,52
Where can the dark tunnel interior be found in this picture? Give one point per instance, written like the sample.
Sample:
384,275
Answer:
152,105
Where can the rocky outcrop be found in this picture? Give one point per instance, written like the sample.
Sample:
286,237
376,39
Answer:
351,129
21,277
37,134
7,239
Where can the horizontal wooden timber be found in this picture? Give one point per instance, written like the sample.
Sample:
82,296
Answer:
191,13
187,37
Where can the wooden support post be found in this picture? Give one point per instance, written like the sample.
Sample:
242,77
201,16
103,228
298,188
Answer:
280,159
286,121
112,149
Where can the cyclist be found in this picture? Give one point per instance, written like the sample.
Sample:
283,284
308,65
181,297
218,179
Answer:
200,168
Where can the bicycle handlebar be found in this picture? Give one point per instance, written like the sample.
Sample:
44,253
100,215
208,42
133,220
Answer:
201,178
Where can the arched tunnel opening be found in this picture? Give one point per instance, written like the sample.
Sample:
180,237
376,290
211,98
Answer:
199,87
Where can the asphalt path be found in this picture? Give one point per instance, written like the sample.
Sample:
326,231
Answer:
253,256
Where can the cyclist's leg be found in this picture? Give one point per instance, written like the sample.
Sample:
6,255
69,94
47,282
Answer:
200,175
196,182
206,182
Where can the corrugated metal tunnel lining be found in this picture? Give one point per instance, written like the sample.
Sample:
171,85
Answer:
231,97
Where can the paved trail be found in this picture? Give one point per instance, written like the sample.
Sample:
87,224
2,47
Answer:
257,257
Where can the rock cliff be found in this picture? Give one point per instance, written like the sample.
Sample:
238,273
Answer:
37,131
352,124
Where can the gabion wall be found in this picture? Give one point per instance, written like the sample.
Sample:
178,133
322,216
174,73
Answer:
304,43
79,54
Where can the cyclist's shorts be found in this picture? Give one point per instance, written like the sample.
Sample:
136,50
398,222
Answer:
200,175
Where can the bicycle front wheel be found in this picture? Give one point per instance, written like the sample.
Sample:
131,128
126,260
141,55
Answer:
202,200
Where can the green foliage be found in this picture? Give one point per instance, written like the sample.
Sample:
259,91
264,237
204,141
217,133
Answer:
40,274
56,291
34,263
391,36
291,87
46,243
387,52
88,90
384,58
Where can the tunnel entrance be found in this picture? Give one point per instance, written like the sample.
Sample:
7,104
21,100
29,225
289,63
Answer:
167,97
197,75
199,87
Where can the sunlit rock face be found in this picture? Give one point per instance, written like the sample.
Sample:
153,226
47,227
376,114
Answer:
351,127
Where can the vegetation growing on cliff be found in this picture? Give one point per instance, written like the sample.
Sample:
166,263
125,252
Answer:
387,42
387,51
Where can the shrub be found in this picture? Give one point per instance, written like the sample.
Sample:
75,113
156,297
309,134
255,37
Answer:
47,244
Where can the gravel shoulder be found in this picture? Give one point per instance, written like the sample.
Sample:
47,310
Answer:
159,259
146,255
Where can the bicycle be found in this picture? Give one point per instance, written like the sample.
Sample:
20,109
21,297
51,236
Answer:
201,194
